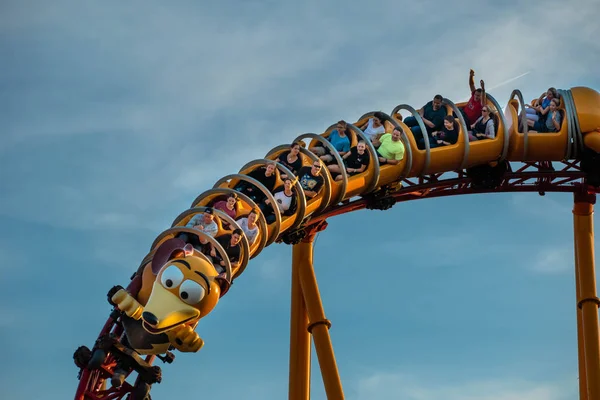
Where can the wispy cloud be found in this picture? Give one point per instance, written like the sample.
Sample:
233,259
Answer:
449,249
115,116
553,260
542,208
173,101
506,82
158,79
274,269
441,68
388,385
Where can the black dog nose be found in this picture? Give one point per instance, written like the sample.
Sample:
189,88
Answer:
150,318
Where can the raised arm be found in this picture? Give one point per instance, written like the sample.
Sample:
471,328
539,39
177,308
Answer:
483,96
472,80
538,104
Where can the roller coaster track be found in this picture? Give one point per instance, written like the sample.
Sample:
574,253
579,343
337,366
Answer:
540,177
423,173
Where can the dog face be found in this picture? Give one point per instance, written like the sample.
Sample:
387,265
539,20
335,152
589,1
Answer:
186,289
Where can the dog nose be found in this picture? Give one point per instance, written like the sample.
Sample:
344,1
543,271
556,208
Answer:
150,318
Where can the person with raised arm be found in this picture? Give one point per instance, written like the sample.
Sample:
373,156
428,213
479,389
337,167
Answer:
472,110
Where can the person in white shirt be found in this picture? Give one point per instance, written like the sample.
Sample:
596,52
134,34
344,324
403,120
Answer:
286,201
204,222
374,127
249,226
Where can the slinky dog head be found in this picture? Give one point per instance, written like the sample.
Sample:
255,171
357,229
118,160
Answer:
186,288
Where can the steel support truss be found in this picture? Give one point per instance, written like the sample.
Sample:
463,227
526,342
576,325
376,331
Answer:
307,314
540,177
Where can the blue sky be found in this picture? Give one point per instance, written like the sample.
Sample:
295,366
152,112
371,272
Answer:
114,116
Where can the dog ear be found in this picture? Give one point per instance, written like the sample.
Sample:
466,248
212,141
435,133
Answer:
164,253
223,283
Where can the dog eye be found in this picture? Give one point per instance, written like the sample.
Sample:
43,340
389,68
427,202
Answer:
171,277
191,292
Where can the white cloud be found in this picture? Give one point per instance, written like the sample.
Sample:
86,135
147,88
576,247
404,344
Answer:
450,248
177,80
546,208
274,269
192,95
383,386
179,76
553,260
499,47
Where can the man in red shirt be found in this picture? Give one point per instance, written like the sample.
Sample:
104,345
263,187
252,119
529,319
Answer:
472,110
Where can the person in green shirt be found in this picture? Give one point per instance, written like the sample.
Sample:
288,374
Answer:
390,148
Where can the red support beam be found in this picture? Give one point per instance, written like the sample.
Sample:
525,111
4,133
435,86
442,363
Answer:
540,179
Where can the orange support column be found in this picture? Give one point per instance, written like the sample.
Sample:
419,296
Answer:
319,325
299,388
587,301
580,350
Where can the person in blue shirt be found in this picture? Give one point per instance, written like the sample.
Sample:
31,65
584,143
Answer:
339,138
539,112
553,120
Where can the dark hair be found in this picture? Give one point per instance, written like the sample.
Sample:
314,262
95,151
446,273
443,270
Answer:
230,195
438,97
480,90
237,231
253,211
379,116
294,145
449,118
344,124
